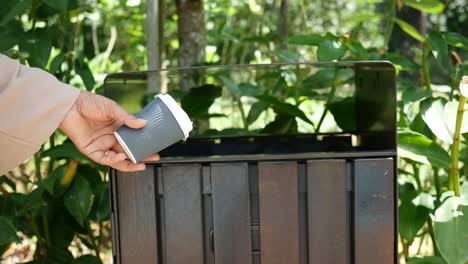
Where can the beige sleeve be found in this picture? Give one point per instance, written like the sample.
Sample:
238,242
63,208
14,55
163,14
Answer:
32,105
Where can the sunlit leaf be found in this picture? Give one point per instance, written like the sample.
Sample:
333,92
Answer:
426,260
451,230
457,40
419,148
432,111
330,50
410,30
450,114
428,6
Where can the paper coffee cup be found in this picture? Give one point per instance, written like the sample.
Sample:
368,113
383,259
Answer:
167,124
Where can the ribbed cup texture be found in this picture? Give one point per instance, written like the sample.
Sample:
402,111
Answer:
161,131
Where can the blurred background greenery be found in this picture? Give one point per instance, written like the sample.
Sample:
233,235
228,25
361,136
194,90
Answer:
55,209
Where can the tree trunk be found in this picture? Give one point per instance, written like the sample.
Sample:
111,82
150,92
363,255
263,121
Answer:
192,36
283,24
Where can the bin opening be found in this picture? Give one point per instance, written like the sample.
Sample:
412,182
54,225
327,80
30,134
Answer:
273,108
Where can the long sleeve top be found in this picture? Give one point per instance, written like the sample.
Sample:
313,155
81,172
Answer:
32,105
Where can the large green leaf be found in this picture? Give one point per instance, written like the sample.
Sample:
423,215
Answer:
432,111
29,203
450,113
413,93
411,216
410,30
406,64
66,150
439,48
343,112
451,230
101,207
285,108
330,49
79,200
428,6
419,148
56,62
13,8
7,232
456,40
82,69
61,5
199,99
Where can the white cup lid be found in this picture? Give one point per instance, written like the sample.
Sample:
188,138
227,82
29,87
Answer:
179,114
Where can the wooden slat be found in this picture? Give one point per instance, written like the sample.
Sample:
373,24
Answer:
137,217
374,211
328,237
231,213
183,214
279,223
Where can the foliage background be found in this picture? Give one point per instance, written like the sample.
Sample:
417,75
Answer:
54,208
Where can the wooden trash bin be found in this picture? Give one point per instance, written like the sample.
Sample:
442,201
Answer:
274,199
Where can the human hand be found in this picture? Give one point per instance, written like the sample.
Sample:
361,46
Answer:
90,125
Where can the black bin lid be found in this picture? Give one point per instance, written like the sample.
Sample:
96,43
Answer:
360,99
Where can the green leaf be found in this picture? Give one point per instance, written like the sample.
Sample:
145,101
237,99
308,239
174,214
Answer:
57,255
411,217
101,207
56,62
248,89
343,112
410,30
288,56
14,8
428,6
285,108
255,111
311,40
29,203
61,5
279,87
419,148
7,232
49,182
199,99
451,230
66,150
283,124
456,40
87,259
38,44
439,48
414,93
330,49
232,87
406,63
79,200
426,260
62,232
450,114
432,111
82,69
326,78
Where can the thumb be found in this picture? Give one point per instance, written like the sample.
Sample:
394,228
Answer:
128,119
